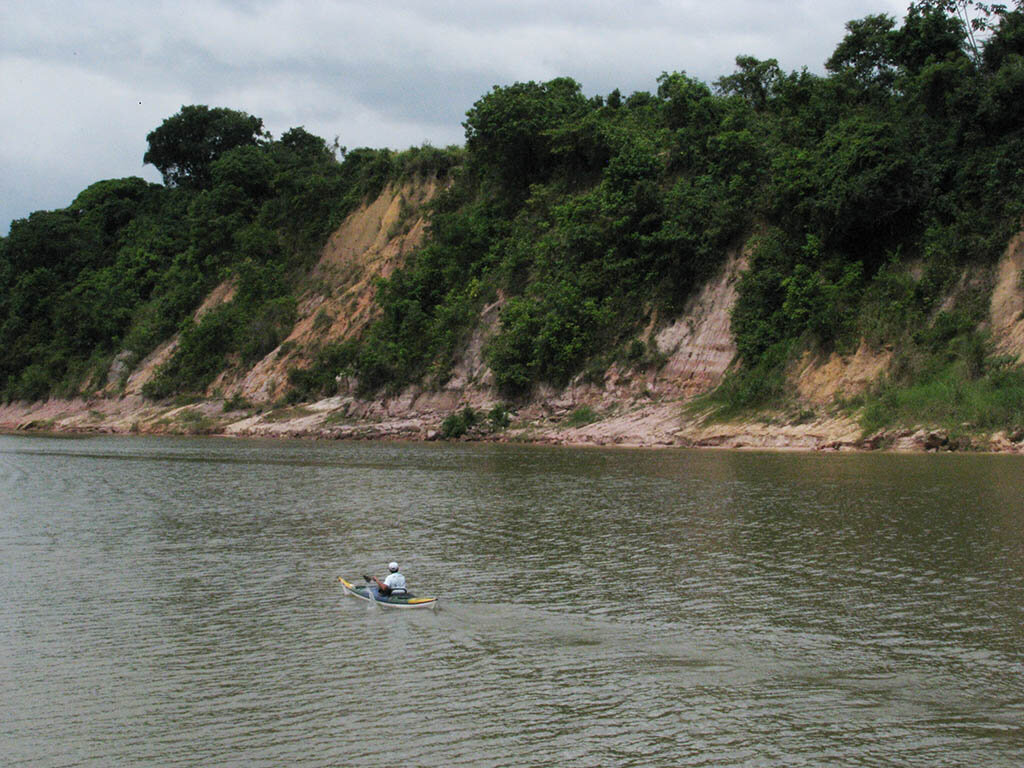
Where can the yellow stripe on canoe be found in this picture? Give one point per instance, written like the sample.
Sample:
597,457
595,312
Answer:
411,601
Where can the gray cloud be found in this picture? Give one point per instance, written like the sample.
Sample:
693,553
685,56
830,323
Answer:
84,82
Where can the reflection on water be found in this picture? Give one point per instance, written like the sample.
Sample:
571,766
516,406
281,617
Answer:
174,602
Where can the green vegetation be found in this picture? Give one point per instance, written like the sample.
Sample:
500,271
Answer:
589,214
863,196
499,417
914,164
582,416
127,264
948,398
584,213
947,376
320,378
237,403
459,423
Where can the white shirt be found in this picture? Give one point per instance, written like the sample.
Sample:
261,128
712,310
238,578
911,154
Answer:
395,581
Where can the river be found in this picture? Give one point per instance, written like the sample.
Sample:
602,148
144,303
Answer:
174,602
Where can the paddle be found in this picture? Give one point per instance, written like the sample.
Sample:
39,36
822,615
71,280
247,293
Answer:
380,587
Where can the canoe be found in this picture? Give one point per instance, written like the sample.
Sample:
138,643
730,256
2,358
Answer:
372,594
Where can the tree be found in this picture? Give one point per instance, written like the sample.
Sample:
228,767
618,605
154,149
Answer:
754,80
185,145
927,36
308,149
866,53
507,131
1007,40
976,19
106,207
688,104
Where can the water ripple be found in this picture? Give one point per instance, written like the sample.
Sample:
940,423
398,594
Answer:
174,602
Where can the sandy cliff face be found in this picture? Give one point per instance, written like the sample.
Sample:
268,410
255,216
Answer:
1006,313
637,405
698,345
372,242
820,381
335,305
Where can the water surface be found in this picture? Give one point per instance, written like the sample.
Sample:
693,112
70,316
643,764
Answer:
171,601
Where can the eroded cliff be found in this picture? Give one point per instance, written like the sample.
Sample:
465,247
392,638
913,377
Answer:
645,404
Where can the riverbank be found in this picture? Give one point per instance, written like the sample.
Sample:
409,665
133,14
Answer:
637,424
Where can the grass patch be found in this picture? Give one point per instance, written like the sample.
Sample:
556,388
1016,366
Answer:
237,403
748,390
41,424
582,416
339,417
322,321
284,414
952,399
197,423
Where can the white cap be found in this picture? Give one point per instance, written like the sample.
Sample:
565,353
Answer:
392,566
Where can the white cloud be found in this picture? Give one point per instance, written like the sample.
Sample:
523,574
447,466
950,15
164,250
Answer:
67,128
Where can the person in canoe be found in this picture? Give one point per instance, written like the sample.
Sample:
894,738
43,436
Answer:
393,584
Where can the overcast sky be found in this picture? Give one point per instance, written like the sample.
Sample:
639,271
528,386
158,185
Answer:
82,83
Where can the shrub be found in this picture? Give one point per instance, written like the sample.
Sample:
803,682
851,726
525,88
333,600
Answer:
498,417
237,403
320,379
582,416
459,423
752,387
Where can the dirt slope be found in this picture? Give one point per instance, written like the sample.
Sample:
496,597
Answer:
1006,313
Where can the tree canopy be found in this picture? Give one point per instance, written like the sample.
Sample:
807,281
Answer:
186,144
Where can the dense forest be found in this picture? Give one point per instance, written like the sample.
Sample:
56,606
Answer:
861,195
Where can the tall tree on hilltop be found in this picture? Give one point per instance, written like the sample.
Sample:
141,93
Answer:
185,145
